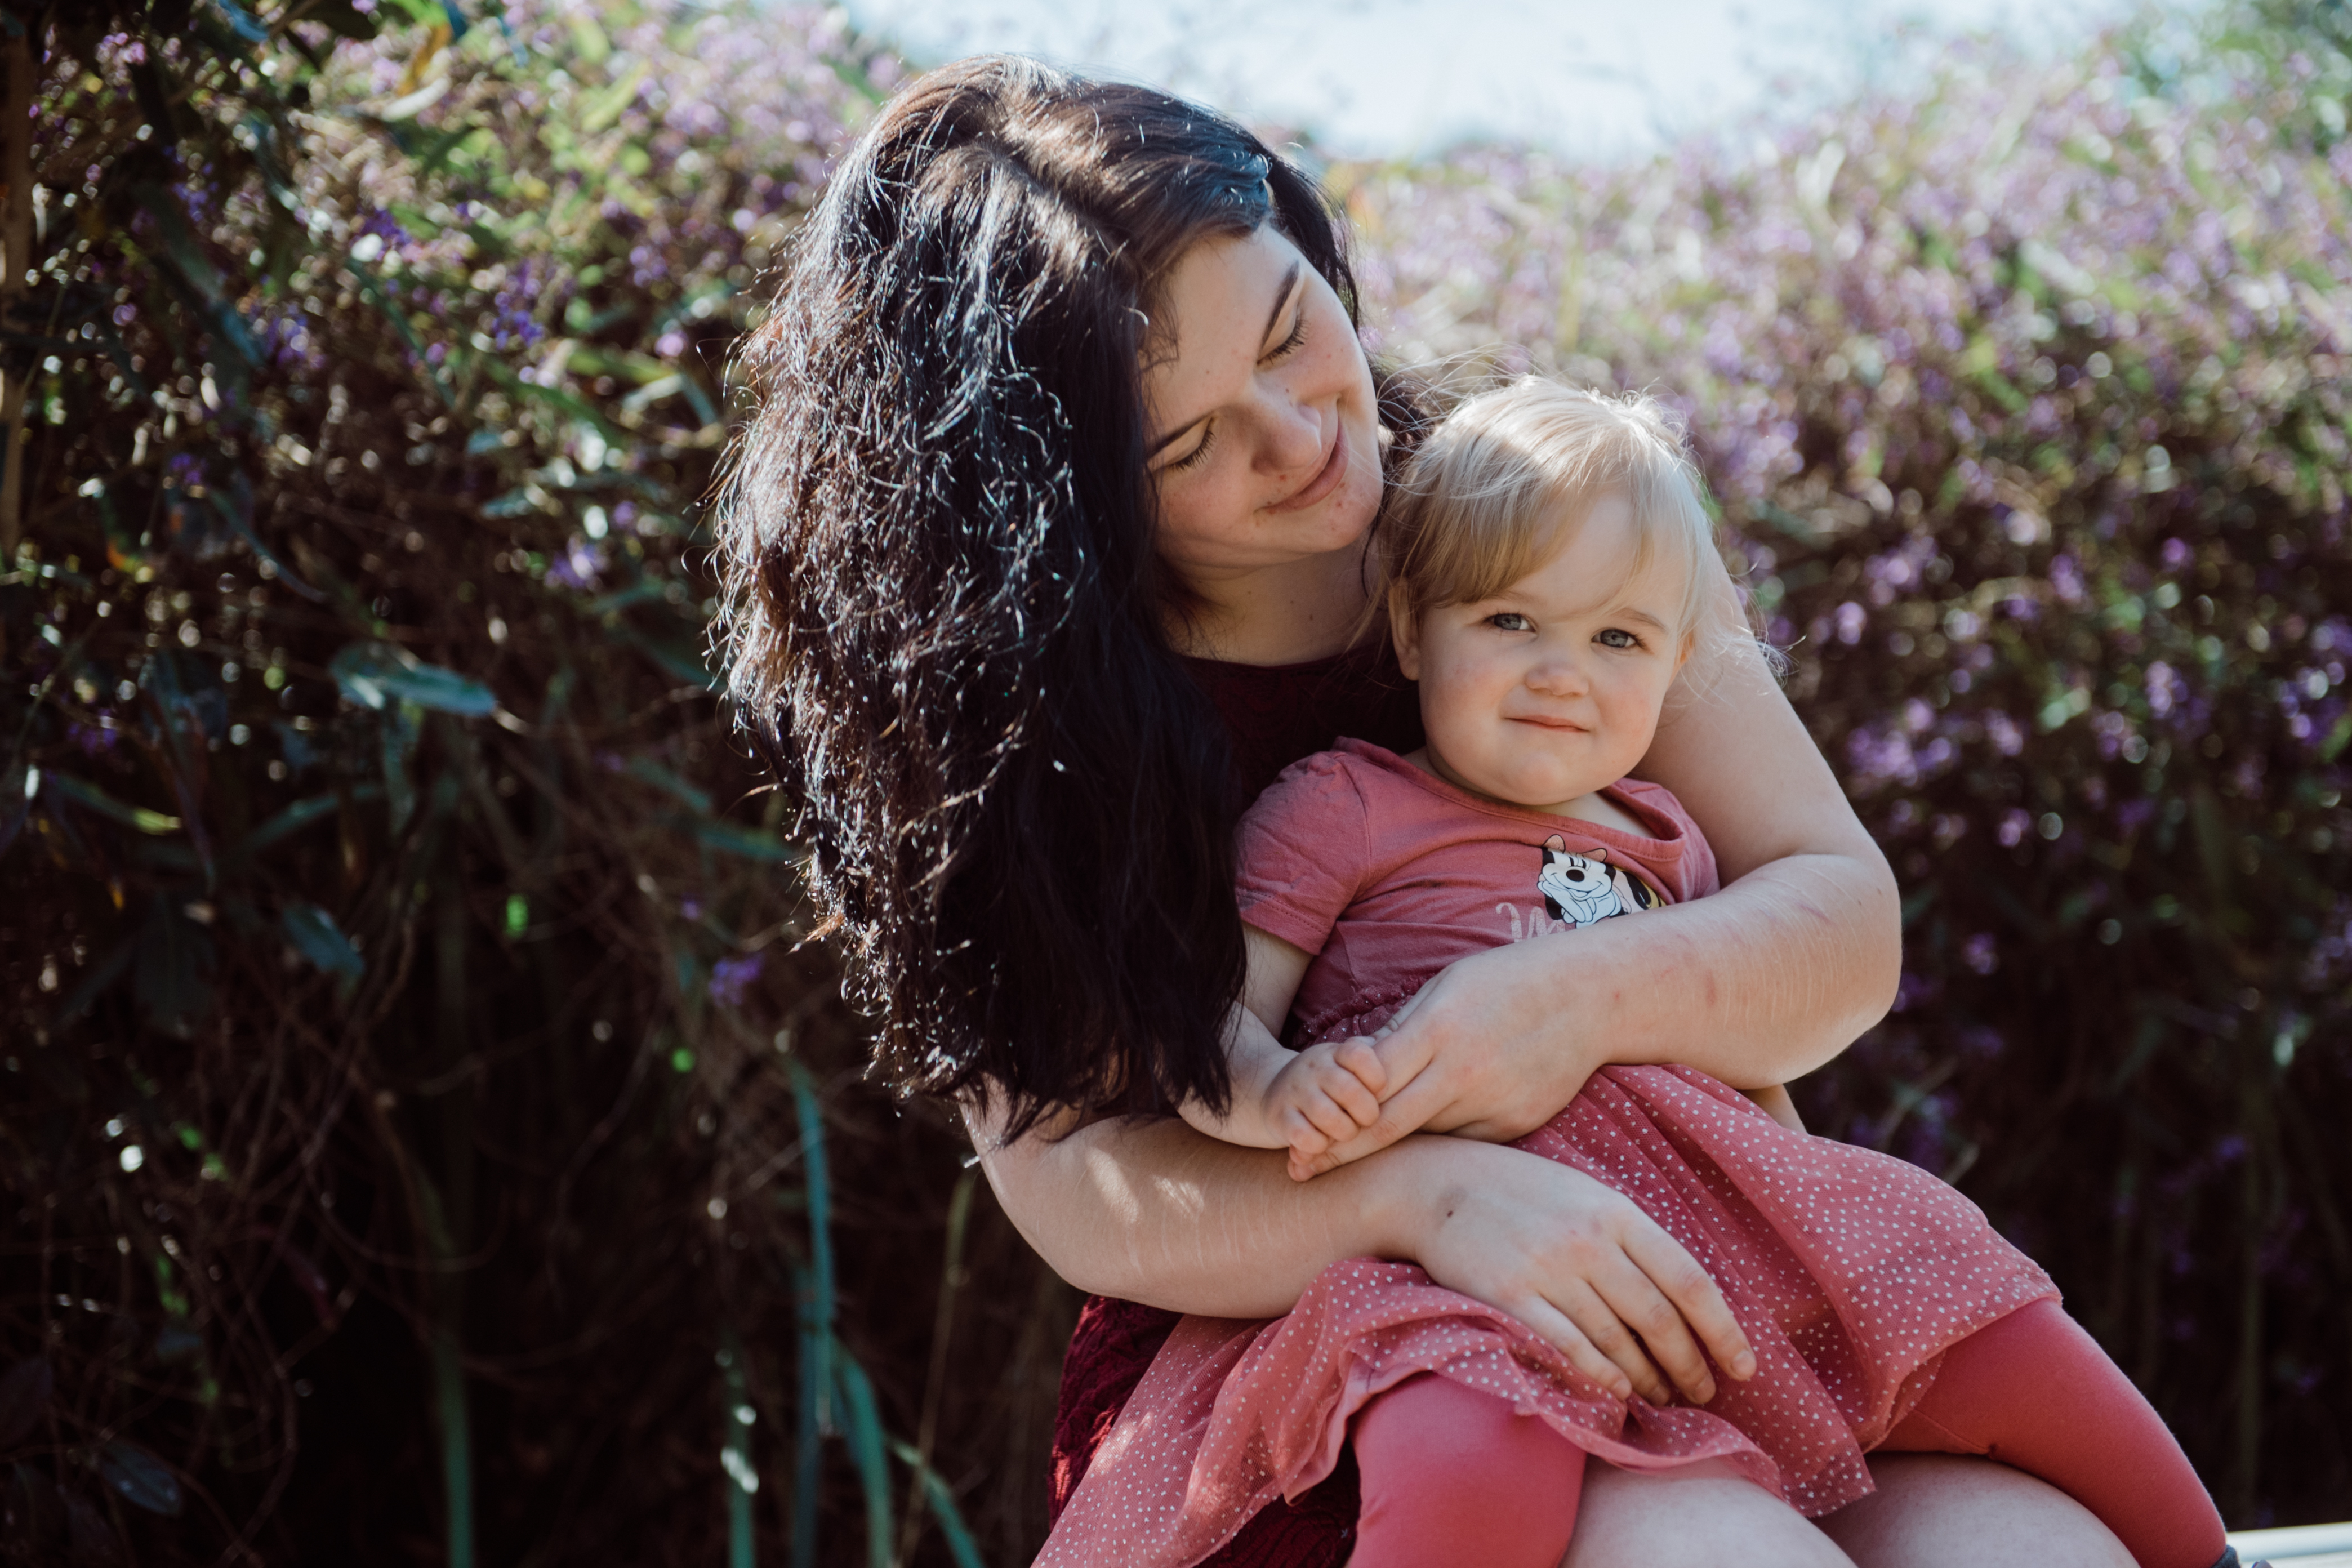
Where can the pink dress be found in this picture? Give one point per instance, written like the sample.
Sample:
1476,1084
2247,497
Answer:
1851,1273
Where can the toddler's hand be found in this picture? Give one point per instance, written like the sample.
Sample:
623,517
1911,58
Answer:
1325,1095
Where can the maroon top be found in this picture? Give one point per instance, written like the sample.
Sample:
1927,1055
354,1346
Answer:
1275,715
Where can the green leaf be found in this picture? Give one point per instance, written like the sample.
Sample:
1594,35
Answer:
743,843
239,19
682,662
644,770
961,1547
599,109
375,675
171,971
140,1479
869,1450
290,821
96,799
316,937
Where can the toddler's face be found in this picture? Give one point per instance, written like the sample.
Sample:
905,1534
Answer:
1552,690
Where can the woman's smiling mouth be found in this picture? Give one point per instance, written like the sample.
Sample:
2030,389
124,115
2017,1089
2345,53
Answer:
1326,479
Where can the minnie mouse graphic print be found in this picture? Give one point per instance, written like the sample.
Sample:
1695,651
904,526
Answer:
1580,888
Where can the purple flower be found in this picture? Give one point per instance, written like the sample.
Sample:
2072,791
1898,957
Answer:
578,566
730,977
1979,951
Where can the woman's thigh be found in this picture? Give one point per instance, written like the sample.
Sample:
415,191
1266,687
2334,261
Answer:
1701,1516
1939,1510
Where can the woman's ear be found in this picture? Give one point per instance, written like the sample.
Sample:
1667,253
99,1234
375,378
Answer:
1406,631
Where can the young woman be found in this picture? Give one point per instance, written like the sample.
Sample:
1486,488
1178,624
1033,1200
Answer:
1044,553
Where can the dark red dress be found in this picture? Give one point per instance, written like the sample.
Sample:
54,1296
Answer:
1274,716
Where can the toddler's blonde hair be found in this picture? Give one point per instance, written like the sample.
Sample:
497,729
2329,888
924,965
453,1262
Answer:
1492,490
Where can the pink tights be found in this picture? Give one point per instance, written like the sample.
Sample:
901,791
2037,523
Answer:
1450,1475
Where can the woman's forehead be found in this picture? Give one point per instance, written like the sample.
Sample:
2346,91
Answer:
1214,312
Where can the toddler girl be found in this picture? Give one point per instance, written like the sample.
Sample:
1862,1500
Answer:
1544,587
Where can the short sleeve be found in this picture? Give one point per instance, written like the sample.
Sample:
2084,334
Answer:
1698,875
1301,852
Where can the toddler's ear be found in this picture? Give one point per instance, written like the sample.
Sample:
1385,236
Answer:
1405,632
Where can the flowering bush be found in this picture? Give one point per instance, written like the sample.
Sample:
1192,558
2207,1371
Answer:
403,1010
2025,403
416,1108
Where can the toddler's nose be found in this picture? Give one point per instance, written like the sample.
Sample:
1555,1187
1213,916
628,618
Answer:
1557,676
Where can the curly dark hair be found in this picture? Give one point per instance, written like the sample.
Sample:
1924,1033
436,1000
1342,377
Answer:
946,622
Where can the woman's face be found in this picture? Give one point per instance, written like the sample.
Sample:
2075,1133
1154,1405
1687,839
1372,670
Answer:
1263,439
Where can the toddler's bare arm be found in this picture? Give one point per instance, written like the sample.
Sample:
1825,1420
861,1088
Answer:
1303,1100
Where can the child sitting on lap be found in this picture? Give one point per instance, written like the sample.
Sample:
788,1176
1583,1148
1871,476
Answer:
1544,588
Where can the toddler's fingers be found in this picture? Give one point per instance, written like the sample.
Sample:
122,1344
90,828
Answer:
1350,1093
1324,1115
1551,1323
1696,1304
1614,1341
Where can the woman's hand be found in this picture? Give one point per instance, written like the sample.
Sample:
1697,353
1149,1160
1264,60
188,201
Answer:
1583,1267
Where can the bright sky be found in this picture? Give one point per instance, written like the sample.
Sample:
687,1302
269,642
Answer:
1399,76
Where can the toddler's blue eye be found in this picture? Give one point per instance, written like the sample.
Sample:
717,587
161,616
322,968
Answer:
1508,621
1616,636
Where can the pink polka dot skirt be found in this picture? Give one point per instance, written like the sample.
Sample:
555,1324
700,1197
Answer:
1850,1271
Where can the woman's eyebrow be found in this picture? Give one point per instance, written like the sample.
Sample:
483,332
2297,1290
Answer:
1282,296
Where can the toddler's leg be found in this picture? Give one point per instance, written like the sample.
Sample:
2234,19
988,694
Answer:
2036,1392
1450,1475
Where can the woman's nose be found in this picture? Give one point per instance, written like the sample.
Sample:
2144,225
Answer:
1296,433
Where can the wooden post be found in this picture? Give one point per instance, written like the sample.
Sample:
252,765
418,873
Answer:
16,259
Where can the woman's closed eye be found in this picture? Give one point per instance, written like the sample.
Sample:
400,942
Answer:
1289,345
1193,458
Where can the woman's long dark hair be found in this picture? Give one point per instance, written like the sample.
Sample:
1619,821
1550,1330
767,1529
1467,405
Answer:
945,616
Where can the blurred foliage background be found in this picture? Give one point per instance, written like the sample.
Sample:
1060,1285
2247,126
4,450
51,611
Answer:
424,1136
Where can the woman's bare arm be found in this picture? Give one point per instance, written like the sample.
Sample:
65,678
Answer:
1152,1211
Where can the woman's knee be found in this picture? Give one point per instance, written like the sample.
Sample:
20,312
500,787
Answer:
1701,1516
1935,1510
